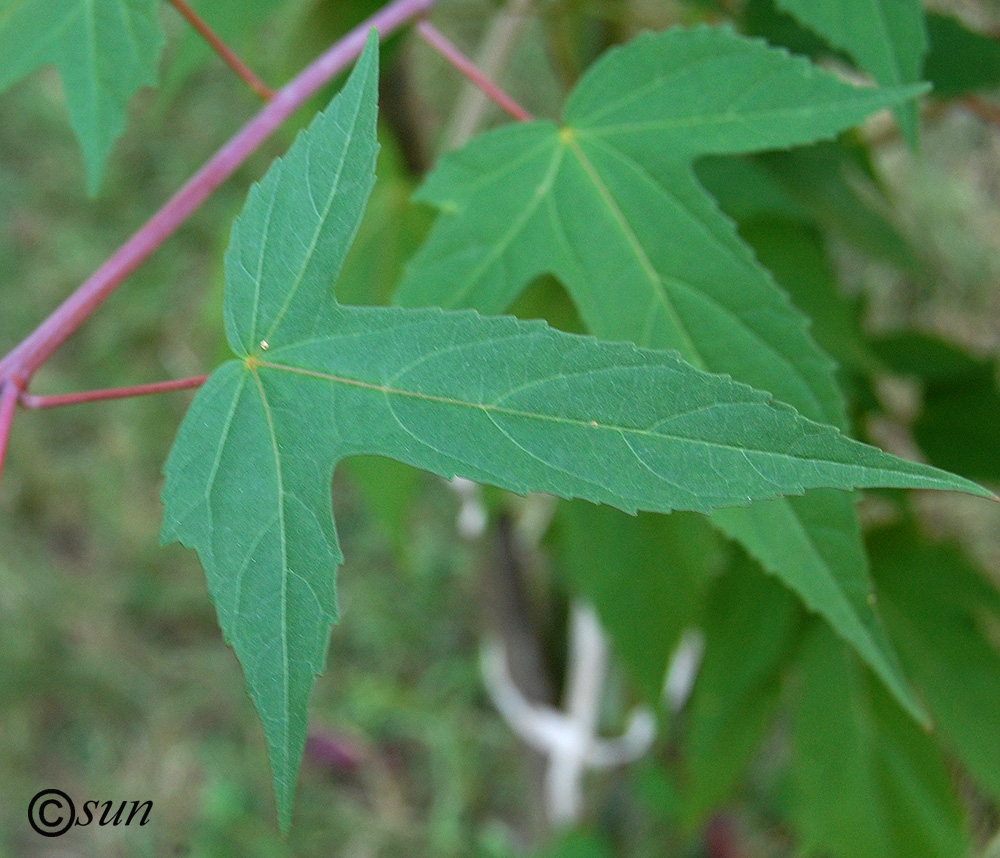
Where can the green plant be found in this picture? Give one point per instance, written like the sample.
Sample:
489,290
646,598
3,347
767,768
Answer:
705,394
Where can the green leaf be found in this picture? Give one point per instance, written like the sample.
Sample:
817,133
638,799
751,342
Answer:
795,254
645,576
957,427
936,606
104,49
868,781
610,206
885,37
751,623
262,526
836,184
762,18
497,400
960,60
824,184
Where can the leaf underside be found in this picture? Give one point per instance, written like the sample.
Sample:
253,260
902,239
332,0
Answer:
498,400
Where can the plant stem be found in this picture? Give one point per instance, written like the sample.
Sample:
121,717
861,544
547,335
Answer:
31,401
8,403
492,56
430,34
234,62
22,362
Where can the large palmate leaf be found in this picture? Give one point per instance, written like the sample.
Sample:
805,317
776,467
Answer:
498,400
104,50
885,37
608,203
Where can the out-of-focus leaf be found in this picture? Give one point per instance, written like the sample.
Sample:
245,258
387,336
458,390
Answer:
609,205
794,253
645,576
762,18
750,625
387,488
576,844
104,49
885,37
927,357
958,426
867,780
391,231
835,184
745,189
960,60
934,603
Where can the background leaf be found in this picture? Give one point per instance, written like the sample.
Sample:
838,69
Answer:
658,570
867,779
939,610
956,426
750,625
104,50
960,60
885,37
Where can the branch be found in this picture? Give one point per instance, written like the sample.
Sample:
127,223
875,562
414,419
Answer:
234,62
22,362
8,403
37,402
568,738
492,56
447,49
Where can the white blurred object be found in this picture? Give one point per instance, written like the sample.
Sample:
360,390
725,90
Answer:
472,512
568,738
683,669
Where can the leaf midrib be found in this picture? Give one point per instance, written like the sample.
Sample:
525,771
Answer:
285,733
490,408
321,222
635,245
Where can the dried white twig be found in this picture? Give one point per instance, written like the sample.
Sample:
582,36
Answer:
569,738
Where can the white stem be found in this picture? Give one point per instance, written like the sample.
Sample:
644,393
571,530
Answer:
683,669
569,739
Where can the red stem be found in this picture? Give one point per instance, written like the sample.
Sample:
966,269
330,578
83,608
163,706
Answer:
8,403
440,43
29,400
220,47
22,362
